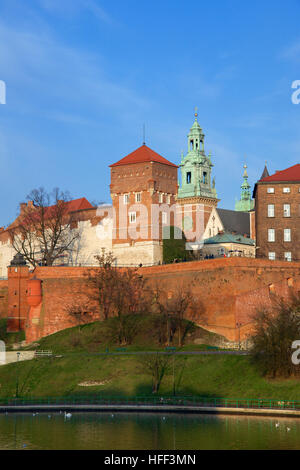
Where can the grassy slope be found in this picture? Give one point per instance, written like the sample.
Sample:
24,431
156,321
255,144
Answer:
225,376
214,376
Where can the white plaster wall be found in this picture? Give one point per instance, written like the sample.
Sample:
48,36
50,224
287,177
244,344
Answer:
7,253
146,253
92,240
213,226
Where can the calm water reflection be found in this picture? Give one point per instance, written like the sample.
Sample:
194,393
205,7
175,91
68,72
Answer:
146,431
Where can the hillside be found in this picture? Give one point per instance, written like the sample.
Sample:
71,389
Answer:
77,368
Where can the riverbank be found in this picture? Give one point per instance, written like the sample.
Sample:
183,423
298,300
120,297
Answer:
149,409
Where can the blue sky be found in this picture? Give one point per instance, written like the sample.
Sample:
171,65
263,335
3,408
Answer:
83,76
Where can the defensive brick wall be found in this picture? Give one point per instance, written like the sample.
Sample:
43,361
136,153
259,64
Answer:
228,292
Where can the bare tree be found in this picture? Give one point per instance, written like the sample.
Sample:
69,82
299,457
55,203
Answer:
104,281
156,365
275,330
176,310
119,293
80,310
45,230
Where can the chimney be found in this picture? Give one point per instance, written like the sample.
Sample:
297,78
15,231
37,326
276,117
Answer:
23,206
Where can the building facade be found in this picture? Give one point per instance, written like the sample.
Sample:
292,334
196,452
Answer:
277,215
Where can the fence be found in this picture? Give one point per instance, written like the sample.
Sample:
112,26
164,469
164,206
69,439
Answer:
158,401
42,353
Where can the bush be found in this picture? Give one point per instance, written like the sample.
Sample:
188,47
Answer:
174,245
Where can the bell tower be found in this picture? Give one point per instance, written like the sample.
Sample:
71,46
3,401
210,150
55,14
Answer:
197,195
196,168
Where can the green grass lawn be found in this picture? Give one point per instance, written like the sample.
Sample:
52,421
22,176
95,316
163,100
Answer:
76,361
211,376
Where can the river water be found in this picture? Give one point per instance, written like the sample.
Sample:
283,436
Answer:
148,431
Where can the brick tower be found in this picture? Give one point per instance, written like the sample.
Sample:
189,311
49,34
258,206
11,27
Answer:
143,189
18,274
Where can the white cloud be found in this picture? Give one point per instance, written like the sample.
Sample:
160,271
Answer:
40,70
76,7
291,52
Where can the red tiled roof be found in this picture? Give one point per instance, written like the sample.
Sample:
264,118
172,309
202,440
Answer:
79,204
70,206
290,174
141,155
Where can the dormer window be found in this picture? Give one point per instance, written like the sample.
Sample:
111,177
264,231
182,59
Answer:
188,177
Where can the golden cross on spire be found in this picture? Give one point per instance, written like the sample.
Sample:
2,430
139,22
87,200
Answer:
196,112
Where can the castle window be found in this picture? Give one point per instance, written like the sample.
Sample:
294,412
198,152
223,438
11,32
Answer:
286,210
168,199
271,210
192,145
188,177
286,190
161,198
287,234
164,217
138,197
272,255
288,256
204,177
126,198
132,217
271,190
271,235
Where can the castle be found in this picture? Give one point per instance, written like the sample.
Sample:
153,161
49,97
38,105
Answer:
147,198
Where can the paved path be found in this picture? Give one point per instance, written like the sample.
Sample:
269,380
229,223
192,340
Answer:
12,356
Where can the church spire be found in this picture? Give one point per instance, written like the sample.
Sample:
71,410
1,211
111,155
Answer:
265,172
245,203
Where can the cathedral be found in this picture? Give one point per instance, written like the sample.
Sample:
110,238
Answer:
147,198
